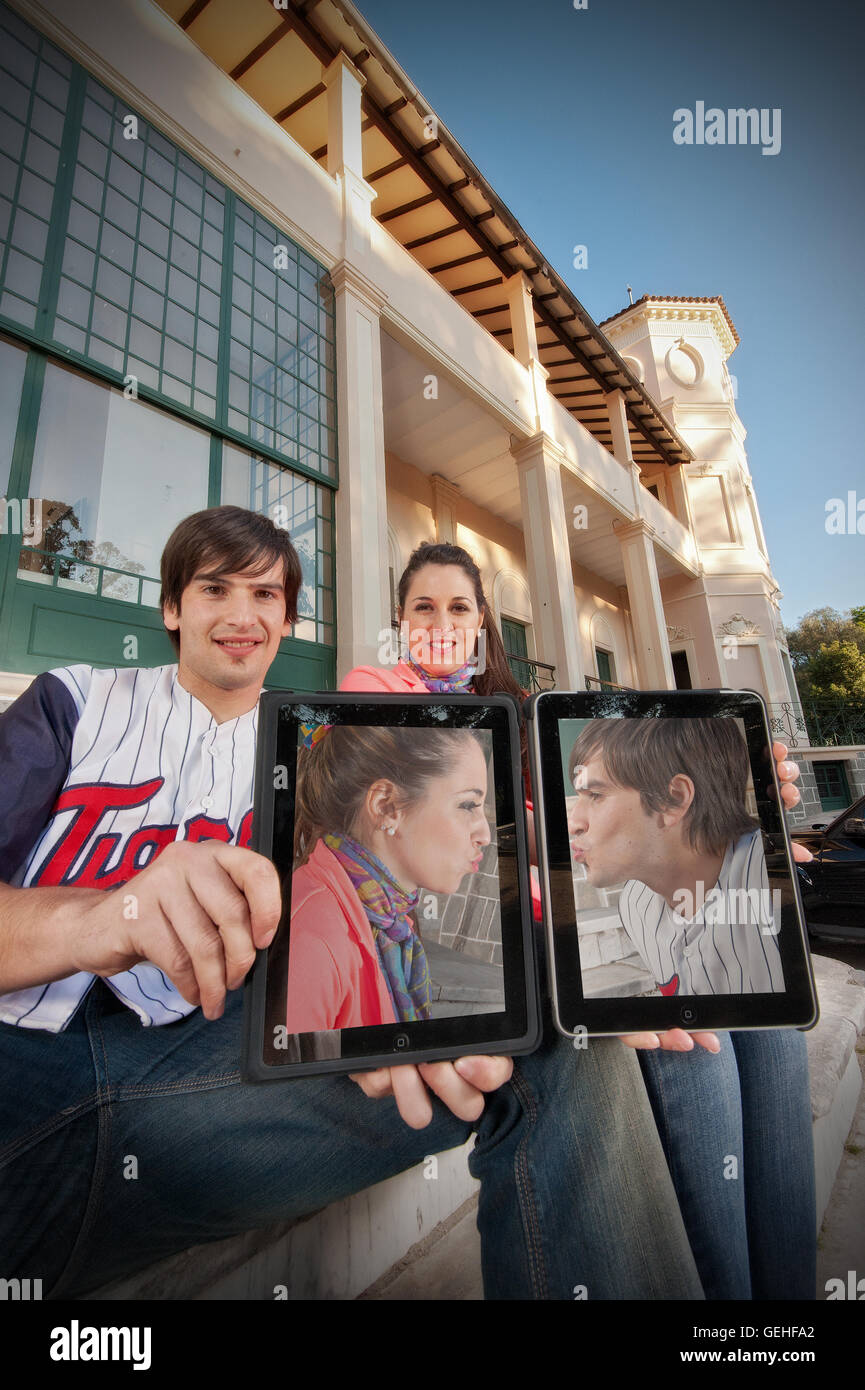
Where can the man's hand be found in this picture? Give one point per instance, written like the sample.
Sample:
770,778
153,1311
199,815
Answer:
461,1085
200,912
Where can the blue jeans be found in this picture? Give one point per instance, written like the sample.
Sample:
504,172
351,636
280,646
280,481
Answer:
574,1186
736,1129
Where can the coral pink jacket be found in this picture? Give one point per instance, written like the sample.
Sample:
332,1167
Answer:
399,681
334,976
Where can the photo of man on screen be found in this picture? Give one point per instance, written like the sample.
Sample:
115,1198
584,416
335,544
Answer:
659,811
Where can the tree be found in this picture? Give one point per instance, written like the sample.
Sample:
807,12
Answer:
821,627
837,671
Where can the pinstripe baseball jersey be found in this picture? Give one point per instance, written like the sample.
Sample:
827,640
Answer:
728,946
103,769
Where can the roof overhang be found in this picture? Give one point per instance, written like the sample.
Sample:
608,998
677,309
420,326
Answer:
431,197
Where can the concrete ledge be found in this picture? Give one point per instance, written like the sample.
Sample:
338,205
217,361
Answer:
370,1242
836,1080
334,1254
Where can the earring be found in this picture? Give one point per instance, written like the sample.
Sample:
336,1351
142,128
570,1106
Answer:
391,830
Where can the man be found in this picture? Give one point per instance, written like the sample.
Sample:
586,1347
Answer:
661,803
128,898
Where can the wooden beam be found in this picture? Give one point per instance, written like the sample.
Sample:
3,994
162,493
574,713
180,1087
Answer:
302,101
479,285
496,309
386,169
192,13
403,208
431,236
360,57
319,153
396,106
426,149
284,27
460,260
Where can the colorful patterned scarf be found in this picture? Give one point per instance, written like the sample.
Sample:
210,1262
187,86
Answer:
445,685
400,950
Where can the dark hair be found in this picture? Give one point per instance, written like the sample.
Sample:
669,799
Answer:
497,674
646,754
226,540
333,776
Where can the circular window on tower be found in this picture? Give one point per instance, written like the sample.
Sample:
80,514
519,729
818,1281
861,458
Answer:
684,364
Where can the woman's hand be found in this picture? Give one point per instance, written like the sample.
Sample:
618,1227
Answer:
787,775
673,1040
676,1039
461,1085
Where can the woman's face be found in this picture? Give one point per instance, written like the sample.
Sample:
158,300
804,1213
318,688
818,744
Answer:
443,618
442,837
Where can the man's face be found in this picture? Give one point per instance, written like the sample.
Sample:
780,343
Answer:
230,627
609,831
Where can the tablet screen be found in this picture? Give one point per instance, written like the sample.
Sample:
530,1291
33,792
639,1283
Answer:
393,825
670,897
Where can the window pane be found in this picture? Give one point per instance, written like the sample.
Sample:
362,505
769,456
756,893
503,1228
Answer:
279,339
33,94
298,505
132,249
114,476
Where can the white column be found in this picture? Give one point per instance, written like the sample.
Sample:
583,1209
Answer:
519,296
654,667
679,492
548,560
363,607
618,417
446,496
345,153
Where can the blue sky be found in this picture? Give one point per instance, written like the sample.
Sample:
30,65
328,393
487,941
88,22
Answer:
569,115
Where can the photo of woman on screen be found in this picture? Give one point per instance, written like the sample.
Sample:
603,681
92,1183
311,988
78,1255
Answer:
379,812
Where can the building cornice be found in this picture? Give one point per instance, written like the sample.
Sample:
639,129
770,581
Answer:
672,314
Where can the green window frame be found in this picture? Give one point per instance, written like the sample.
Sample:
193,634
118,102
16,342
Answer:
123,257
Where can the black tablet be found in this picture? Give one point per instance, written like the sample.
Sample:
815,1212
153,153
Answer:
667,880
397,825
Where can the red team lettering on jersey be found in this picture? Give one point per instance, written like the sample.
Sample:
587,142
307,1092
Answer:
93,802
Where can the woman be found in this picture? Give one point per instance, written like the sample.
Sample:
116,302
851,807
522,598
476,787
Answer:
749,1102
380,812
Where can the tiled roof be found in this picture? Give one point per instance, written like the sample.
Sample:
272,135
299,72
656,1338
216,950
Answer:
677,299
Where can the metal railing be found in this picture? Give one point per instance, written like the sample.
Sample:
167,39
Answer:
88,576
595,683
532,675
820,722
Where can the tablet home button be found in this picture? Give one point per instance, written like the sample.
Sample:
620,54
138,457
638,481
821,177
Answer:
688,1016
400,1042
